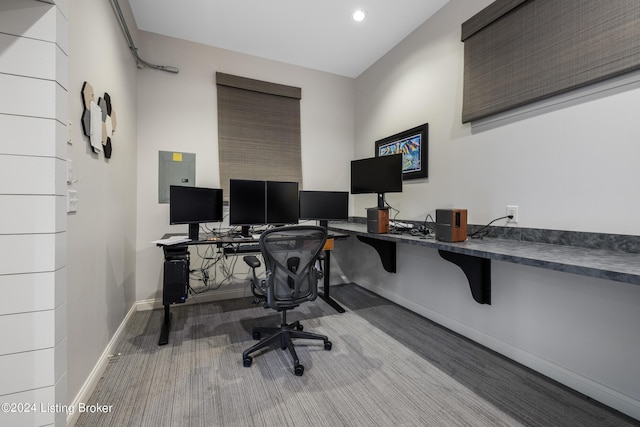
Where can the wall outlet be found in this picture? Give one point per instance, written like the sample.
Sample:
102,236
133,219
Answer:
512,210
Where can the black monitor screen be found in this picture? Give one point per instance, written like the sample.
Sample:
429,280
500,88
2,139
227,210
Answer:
282,202
377,175
192,205
247,202
324,205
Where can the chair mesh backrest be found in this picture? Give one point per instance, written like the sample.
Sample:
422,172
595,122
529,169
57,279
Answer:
290,254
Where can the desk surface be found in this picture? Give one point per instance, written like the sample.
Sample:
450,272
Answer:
212,239
598,263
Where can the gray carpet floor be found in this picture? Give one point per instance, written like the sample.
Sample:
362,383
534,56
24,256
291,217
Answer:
387,367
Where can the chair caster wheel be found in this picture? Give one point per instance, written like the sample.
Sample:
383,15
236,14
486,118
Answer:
256,336
299,327
327,345
298,370
247,361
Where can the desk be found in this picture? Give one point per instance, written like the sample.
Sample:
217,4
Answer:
179,252
474,257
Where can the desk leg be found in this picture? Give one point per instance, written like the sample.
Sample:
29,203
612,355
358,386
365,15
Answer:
166,327
327,279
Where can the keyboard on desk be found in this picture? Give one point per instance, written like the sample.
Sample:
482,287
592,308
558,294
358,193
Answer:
242,248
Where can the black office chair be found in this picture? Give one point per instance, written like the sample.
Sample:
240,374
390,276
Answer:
290,254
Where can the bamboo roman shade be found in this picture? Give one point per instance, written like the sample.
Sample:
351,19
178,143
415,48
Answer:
258,130
520,51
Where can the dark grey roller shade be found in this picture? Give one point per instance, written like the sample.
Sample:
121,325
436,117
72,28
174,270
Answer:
521,51
258,130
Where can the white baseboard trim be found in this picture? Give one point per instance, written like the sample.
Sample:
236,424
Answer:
573,380
90,384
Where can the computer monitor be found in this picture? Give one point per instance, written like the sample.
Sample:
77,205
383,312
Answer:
324,206
282,202
377,175
193,206
247,203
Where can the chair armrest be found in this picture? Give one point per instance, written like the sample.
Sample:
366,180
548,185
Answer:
252,261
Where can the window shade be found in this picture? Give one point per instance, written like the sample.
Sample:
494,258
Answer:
521,51
258,130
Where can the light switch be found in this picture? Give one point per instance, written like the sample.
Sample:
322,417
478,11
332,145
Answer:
69,171
72,201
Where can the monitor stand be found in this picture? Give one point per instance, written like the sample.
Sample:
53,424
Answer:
245,230
194,232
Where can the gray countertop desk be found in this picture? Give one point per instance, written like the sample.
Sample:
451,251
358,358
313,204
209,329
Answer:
474,257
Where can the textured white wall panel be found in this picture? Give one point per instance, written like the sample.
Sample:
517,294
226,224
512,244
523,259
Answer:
30,214
32,19
39,63
26,371
32,253
32,175
36,290
25,96
29,331
38,418
32,136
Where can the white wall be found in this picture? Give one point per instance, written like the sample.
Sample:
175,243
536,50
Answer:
34,83
178,112
570,169
101,234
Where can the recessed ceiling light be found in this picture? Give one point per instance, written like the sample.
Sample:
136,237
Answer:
359,15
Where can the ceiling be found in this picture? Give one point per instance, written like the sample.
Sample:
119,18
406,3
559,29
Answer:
316,34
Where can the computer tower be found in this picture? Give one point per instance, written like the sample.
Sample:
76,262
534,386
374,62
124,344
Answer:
378,220
176,281
451,225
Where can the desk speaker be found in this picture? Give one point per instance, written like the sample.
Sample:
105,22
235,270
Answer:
378,220
451,225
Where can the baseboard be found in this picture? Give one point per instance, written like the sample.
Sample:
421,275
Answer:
584,385
90,384
217,295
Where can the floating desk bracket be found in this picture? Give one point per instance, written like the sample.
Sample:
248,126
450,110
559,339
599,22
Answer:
386,250
478,272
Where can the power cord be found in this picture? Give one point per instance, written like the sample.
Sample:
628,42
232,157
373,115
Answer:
481,233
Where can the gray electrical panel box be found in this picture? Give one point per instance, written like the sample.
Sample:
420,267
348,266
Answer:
175,168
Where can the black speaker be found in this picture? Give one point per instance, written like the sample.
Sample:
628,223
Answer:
176,281
451,225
